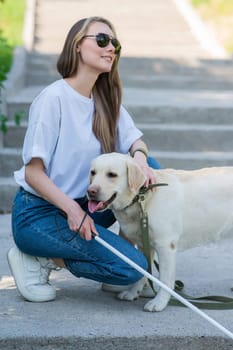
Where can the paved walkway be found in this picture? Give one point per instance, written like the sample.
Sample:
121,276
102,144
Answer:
84,317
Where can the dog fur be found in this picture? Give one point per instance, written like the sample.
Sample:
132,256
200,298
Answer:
195,208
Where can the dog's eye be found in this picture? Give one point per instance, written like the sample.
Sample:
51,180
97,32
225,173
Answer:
93,172
111,174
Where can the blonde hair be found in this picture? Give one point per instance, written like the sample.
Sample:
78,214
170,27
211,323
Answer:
107,92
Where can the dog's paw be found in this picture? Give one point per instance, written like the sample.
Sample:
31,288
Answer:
128,295
154,306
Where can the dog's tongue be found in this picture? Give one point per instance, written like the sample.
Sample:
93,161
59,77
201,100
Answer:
94,206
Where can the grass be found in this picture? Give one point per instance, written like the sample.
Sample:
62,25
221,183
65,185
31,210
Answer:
11,26
219,16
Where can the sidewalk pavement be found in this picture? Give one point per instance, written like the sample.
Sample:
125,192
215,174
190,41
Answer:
85,317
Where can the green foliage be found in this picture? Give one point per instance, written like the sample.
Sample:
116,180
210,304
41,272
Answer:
11,25
3,123
215,7
219,14
4,120
18,117
200,2
6,51
11,20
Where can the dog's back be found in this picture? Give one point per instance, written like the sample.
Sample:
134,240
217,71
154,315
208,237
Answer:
200,202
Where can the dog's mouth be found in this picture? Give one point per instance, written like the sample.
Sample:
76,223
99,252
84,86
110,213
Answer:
94,205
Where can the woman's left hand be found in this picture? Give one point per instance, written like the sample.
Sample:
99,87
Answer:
149,173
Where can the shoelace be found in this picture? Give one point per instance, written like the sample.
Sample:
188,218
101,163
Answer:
46,267
44,275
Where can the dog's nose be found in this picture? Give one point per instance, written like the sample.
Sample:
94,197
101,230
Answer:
93,191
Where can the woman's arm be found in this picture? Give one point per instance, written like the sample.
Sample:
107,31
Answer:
139,151
36,177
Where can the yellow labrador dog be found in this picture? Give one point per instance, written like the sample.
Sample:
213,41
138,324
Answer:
195,208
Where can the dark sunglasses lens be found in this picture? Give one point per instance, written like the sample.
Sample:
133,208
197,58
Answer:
102,40
117,45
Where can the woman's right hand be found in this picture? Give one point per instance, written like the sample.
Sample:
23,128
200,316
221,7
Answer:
80,222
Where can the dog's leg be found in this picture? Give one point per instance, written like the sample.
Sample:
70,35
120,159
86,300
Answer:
133,292
167,262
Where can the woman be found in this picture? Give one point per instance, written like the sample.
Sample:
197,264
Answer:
71,122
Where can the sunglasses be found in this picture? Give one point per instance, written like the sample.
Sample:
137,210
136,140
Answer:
103,40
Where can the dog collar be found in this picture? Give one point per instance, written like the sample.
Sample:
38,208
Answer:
140,197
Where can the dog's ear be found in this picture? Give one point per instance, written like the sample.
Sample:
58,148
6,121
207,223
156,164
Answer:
136,178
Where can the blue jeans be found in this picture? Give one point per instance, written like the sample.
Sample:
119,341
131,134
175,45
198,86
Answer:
40,229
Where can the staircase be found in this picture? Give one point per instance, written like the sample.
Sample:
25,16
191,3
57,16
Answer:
178,95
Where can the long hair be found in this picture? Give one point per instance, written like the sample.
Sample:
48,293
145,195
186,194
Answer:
107,92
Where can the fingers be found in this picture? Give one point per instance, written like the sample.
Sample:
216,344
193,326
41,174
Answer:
87,229
150,177
83,225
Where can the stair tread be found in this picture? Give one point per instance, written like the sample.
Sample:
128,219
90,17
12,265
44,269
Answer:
185,127
152,97
194,155
7,180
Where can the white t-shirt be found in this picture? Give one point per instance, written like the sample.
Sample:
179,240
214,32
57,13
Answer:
60,133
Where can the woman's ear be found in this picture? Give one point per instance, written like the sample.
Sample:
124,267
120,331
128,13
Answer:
136,178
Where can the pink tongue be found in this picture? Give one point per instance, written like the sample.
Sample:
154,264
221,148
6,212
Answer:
94,206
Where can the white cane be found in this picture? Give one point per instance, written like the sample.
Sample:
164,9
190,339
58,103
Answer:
162,285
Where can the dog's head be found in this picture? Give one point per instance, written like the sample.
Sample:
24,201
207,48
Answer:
115,179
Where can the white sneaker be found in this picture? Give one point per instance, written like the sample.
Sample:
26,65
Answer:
31,275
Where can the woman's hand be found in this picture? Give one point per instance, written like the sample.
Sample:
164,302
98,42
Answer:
141,160
80,222
139,152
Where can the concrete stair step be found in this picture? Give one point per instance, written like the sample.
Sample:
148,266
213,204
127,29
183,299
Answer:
177,74
184,137
10,160
38,77
14,136
192,160
142,81
181,115
173,82
147,72
212,68
203,99
8,189
21,102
